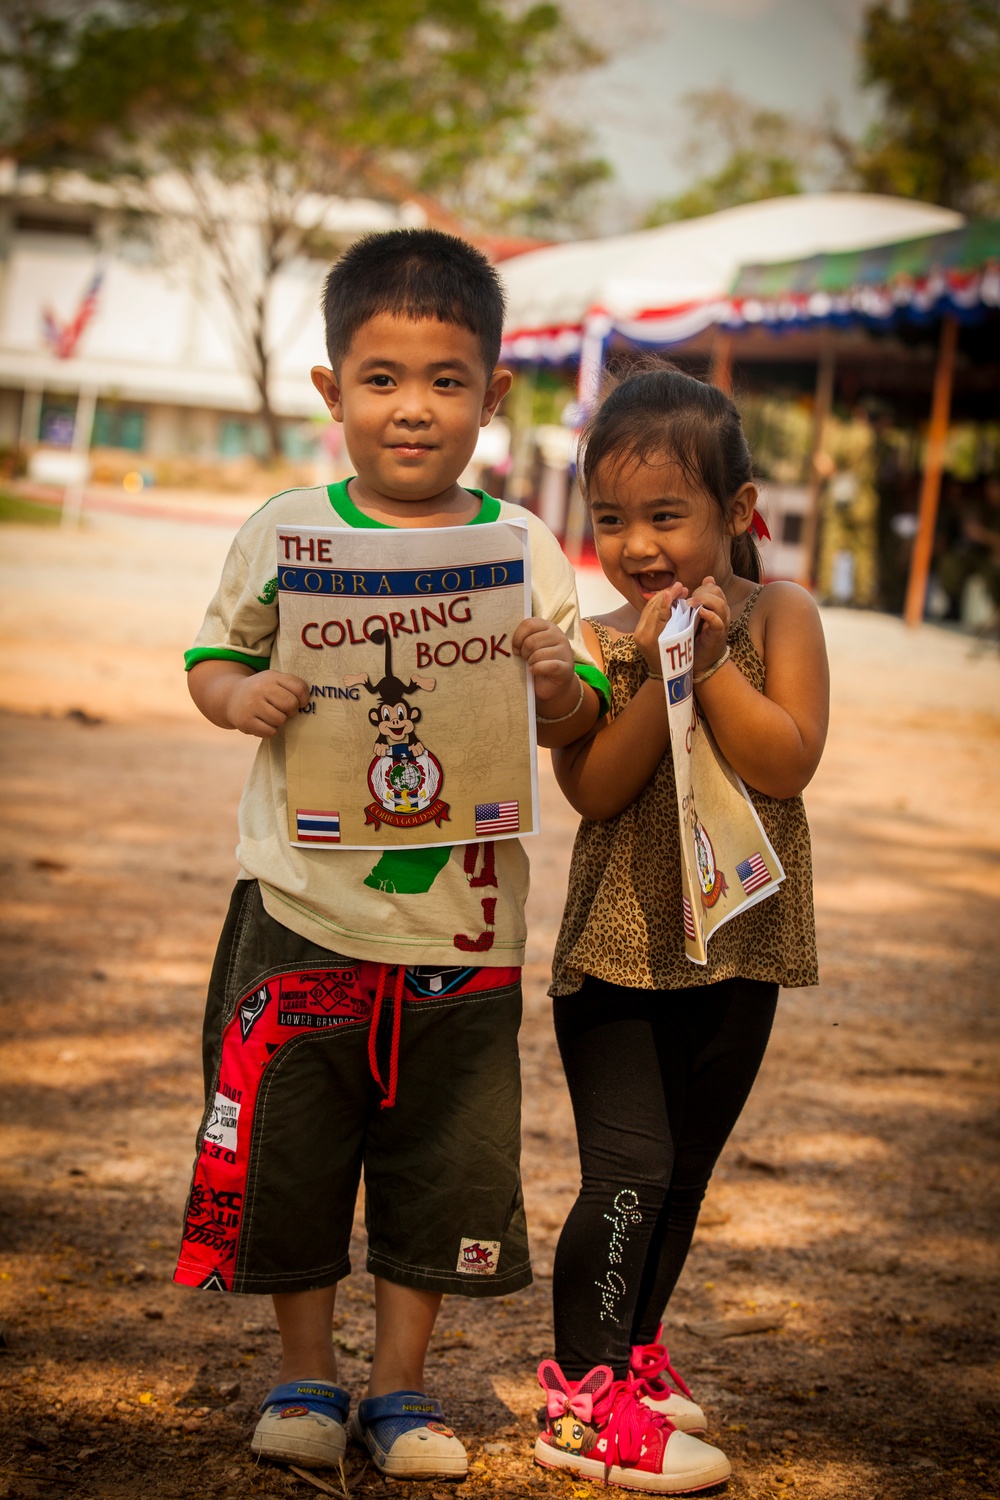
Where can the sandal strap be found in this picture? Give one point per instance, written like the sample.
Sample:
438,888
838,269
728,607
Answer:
320,1396
412,1404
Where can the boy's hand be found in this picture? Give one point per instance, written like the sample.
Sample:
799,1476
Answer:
234,696
713,624
261,704
551,663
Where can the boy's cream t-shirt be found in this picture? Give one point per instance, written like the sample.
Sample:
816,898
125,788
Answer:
321,894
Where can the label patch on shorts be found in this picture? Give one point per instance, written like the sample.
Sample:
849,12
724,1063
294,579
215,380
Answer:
223,1121
478,1257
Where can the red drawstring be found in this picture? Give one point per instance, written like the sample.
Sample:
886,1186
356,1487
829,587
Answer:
397,1018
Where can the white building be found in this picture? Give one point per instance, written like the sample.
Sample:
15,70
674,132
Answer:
159,352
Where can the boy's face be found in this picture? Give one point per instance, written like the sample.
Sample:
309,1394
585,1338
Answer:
412,395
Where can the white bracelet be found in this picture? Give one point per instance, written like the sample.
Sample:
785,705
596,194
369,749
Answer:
700,677
573,711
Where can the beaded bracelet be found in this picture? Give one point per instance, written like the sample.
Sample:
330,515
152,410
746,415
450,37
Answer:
561,719
700,677
656,676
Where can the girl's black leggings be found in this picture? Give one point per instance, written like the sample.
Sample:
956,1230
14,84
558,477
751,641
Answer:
658,1079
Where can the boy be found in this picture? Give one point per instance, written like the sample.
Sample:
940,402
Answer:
294,1111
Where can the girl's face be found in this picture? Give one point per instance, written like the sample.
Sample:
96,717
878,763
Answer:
653,527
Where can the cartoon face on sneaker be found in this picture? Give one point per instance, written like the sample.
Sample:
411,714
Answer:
655,526
412,394
570,1433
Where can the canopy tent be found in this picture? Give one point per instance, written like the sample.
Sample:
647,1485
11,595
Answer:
659,287
918,280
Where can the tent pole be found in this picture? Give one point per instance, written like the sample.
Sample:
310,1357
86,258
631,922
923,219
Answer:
930,492
822,405
721,374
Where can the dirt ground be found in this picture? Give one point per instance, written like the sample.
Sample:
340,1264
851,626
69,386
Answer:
856,1202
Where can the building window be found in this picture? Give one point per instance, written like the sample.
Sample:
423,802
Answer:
239,436
120,427
57,422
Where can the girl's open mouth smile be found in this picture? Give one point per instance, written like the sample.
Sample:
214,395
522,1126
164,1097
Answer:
653,582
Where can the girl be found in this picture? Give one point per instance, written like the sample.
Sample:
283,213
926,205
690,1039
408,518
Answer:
660,1055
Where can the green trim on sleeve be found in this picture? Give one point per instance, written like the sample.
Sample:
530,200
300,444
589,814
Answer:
597,680
489,509
222,653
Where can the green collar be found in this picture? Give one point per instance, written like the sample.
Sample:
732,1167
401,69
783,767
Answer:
348,511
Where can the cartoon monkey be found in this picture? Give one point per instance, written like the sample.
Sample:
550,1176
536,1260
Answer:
394,718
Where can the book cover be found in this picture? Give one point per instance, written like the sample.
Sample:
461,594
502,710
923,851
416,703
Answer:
728,862
420,726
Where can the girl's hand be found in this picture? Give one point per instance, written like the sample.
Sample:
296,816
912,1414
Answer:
651,622
713,624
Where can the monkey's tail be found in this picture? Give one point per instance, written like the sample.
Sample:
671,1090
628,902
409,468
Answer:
381,638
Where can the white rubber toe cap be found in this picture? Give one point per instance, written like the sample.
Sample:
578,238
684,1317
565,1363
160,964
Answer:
687,1416
311,1439
697,1463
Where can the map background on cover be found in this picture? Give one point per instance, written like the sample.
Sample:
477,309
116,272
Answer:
478,721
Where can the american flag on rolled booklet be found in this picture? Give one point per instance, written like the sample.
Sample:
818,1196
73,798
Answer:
727,862
496,817
753,873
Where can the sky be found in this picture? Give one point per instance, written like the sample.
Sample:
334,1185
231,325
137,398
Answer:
796,56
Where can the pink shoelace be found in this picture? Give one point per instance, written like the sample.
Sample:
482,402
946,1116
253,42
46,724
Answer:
627,1423
650,1364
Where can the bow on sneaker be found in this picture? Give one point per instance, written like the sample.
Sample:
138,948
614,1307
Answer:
599,1428
663,1390
303,1422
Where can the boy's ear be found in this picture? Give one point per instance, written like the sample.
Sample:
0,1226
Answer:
744,502
326,383
500,383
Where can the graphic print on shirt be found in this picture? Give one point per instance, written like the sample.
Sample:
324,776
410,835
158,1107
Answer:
403,777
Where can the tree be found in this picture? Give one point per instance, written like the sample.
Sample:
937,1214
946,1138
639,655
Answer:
756,153
936,64
241,118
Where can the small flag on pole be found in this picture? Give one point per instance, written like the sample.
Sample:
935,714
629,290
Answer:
496,817
317,827
753,873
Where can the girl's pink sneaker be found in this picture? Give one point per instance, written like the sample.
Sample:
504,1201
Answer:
663,1390
599,1428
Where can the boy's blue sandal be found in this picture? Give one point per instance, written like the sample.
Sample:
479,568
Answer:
303,1423
406,1436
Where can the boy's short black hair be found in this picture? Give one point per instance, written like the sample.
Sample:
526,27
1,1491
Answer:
413,273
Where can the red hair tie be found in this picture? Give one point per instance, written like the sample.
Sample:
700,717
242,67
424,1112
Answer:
759,527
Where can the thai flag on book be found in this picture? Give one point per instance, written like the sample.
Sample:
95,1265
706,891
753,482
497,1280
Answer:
496,817
689,931
753,873
315,827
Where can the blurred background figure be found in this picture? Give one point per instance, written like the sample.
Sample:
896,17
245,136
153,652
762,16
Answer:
847,571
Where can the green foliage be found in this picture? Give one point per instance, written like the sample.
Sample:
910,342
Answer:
937,66
263,111
758,153
323,95
27,512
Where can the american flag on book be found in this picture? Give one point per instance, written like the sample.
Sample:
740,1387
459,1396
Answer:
753,873
689,931
496,817
314,827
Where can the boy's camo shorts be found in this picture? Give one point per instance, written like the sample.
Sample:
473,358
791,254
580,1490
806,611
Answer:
319,1067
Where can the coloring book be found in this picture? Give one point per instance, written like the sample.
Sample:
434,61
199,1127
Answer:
728,863
420,726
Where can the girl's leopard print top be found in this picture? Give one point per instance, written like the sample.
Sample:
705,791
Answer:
622,921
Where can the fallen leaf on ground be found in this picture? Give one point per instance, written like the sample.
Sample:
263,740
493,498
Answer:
730,1328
